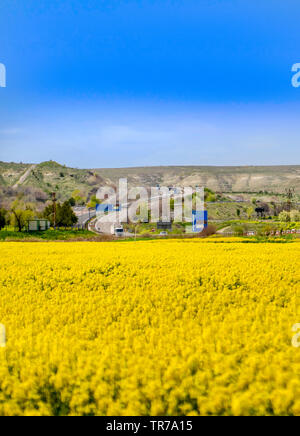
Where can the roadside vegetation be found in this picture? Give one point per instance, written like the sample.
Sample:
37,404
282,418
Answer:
49,235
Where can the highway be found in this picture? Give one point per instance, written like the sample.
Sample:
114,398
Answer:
84,215
102,226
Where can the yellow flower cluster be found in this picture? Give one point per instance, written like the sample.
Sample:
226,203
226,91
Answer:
180,327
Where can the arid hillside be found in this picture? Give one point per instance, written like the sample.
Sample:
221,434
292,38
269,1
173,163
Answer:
220,179
38,181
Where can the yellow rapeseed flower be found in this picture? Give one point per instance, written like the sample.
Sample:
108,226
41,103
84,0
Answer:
167,327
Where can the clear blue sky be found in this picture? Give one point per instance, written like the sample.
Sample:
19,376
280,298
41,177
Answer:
111,83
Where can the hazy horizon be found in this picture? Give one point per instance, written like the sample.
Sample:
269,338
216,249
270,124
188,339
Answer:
152,166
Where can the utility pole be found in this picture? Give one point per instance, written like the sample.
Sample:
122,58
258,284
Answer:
54,200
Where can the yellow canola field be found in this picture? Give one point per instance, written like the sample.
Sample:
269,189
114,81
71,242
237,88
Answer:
149,328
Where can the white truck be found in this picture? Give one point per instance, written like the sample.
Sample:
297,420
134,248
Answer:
117,230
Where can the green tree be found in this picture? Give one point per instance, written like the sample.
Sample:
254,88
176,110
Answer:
65,216
3,218
238,212
93,201
21,213
48,213
284,216
78,197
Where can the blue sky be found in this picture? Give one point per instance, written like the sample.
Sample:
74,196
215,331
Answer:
112,83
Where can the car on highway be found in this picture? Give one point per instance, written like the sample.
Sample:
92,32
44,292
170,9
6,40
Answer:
163,234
